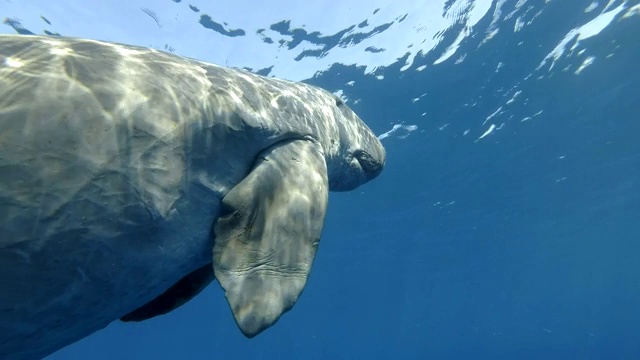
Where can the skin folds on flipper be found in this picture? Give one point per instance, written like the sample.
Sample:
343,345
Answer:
268,233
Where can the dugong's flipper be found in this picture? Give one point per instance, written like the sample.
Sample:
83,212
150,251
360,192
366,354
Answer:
174,297
267,236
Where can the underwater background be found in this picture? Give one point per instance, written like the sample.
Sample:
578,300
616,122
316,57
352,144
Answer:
506,223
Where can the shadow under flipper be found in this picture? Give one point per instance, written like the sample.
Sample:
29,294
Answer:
174,297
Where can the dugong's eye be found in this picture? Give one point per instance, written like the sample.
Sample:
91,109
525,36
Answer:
339,101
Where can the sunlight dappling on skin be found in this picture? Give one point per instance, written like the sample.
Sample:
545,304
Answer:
117,162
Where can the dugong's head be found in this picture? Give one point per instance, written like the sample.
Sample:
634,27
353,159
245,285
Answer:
360,156
271,223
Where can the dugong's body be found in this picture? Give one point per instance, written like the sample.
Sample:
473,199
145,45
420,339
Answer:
130,177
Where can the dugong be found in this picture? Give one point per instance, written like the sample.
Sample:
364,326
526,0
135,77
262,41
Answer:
131,178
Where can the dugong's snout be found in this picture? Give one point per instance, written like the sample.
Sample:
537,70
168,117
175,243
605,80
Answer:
372,162
362,157
362,164
370,154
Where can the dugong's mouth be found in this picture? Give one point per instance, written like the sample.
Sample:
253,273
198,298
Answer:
362,167
370,166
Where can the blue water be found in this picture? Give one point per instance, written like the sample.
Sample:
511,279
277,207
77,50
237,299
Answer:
520,242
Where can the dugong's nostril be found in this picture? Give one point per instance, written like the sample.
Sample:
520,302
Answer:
371,166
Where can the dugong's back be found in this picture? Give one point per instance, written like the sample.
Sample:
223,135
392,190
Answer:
80,147
92,159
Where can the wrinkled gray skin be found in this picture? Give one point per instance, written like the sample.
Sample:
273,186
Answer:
130,177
